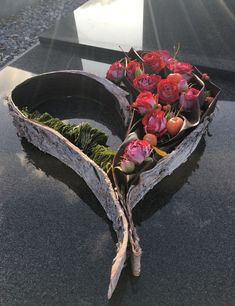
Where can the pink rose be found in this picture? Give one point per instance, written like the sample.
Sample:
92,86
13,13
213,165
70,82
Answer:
133,69
145,102
168,91
154,60
137,151
146,82
165,54
155,122
185,69
174,77
188,98
116,72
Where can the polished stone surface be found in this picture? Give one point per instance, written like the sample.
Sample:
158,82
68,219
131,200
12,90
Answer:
42,59
205,29
57,245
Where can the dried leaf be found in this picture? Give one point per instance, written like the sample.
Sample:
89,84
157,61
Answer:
160,152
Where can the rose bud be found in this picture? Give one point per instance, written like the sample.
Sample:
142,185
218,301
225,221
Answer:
116,72
137,151
168,91
155,122
133,70
145,102
188,98
205,77
166,107
208,100
146,82
127,166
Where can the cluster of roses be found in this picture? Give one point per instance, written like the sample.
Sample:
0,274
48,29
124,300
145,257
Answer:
158,101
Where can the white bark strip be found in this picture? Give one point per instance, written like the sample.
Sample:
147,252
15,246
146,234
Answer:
50,141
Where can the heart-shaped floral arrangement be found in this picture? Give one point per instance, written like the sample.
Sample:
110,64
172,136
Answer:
162,108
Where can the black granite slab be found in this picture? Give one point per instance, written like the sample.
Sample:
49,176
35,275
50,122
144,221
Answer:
205,29
57,244
43,59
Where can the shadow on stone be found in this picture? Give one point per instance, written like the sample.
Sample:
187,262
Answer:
165,190
51,166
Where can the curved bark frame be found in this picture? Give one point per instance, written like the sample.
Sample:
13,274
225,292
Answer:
50,141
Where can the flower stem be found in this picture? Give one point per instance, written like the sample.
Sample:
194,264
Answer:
181,108
126,55
177,51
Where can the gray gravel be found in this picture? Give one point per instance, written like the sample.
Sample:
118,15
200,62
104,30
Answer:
20,32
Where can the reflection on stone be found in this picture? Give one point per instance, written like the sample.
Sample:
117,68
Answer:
96,68
11,77
52,167
108,26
